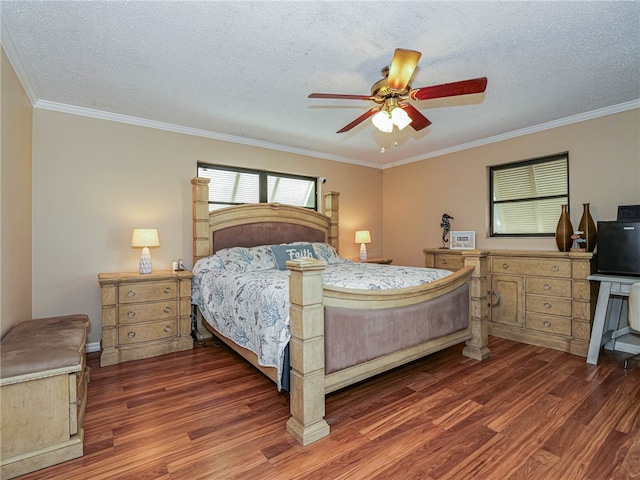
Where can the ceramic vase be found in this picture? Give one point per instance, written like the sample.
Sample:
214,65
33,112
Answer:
564,230
588,228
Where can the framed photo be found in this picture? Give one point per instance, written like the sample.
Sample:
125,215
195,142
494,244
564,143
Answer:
462,240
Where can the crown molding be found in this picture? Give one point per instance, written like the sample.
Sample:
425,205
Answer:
602,112
142,122
116,117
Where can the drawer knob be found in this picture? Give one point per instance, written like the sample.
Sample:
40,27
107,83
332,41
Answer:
131,314
444,261
555,268
547,305
505,265
131,293
167,328
167,309
547,286
547,324
131,334
167,290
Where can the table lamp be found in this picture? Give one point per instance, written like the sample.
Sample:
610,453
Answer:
362,237
145,238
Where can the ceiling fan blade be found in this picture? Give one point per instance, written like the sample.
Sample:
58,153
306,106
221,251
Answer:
340,96
360,119
402,67
418,120
465,87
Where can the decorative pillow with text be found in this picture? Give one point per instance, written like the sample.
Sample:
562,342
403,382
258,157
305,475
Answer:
284,253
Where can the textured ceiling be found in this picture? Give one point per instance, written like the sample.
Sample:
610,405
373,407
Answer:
242,70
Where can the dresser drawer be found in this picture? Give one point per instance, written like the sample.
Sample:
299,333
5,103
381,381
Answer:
147,332
548,305
529,266
144,312
549,324
449,262
146,292
548,286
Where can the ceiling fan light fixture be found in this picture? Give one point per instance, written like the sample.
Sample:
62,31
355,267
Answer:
400,118
382,121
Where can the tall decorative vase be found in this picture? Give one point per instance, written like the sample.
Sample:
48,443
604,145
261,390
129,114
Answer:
588,228
564,230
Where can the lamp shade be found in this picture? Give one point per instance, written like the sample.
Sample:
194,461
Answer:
145,237
363,236
400,118
382,121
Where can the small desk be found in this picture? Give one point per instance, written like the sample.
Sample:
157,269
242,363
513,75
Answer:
605,330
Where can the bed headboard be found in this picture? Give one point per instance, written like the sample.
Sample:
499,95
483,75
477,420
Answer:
258,224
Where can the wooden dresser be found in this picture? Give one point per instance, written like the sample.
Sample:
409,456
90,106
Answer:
536,297
144,315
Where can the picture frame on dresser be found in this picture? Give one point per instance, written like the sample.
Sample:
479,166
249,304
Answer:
462,240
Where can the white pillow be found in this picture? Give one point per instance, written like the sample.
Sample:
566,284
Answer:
326,252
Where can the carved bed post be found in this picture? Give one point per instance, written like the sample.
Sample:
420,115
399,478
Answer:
478,346
331,204
200,211
306,348
201,246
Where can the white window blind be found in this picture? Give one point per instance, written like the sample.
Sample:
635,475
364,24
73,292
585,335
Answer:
291,191
229,186
527,196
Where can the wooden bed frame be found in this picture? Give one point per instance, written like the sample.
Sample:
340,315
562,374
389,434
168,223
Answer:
308,298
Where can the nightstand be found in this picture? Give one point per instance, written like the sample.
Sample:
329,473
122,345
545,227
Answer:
144,315
382,261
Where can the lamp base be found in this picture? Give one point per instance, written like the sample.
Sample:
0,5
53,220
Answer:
363,252
145,261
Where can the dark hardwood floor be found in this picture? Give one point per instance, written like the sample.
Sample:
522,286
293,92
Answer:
525,413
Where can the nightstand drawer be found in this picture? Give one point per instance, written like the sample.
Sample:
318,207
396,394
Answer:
145,292
529,266
548,286
449,262
549,324
548,305
144,312
147,331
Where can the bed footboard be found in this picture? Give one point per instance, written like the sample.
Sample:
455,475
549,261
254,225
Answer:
308,298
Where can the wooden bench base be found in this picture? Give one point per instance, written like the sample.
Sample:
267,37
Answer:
43,386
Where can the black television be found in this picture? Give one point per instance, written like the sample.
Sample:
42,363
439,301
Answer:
619,248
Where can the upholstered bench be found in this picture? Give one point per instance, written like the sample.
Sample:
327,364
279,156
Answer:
43,393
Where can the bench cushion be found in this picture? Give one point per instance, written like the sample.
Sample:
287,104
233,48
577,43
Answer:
43,344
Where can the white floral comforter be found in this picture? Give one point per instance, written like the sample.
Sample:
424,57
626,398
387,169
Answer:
242,294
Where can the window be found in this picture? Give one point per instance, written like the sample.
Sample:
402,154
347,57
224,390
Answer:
235,186
526,197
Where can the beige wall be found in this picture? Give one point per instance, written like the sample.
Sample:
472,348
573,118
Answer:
15,200
604,170
95,180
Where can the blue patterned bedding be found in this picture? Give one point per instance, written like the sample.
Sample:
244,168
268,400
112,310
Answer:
244,295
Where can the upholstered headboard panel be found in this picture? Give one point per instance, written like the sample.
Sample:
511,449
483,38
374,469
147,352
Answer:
264,233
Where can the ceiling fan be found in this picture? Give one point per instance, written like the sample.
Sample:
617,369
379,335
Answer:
392,92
